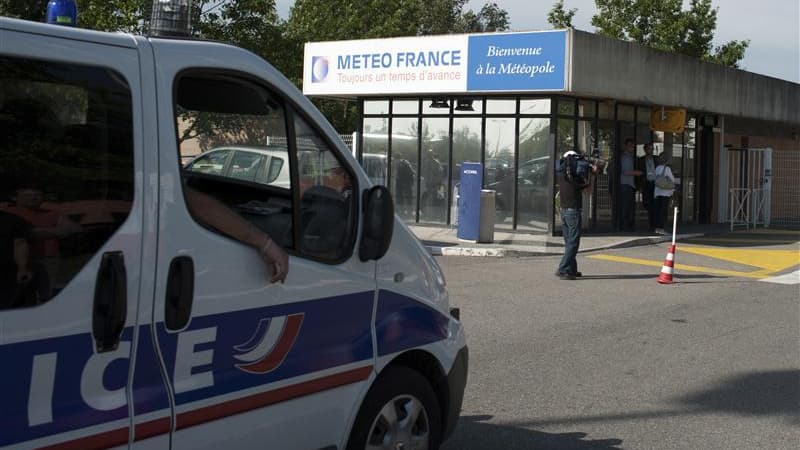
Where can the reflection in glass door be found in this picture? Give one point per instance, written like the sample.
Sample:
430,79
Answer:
534,168
499,168
434,169
405,167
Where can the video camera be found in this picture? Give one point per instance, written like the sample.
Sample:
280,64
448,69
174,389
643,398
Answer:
577,167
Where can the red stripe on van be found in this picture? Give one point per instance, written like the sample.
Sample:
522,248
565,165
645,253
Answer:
199,416
209,413
152,428
108,439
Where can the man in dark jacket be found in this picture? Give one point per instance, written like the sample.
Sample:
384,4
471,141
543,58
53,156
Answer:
646,182
571,198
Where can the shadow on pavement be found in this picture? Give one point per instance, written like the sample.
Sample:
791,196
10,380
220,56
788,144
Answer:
757,393
775,393
475,433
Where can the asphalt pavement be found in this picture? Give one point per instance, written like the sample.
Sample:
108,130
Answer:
615,360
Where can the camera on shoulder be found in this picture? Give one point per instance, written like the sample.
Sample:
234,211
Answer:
577,167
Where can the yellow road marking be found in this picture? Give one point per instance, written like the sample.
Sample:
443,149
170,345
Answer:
769,260
743,241
758,274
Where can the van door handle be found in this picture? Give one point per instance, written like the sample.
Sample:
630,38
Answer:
110,302
180,293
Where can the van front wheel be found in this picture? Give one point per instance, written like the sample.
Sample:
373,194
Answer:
399,412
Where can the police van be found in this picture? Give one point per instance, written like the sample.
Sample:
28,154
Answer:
130,318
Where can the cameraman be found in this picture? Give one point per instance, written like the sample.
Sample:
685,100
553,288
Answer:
571,193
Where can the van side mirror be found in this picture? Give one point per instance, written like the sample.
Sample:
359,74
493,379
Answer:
378,223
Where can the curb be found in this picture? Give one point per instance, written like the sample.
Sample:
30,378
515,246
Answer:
503,252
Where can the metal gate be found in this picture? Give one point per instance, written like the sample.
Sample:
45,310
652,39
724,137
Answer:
745,176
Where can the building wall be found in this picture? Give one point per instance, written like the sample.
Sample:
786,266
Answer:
610,68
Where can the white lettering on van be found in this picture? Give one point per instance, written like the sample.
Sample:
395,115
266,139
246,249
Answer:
40,397
93,391
186,358
471,172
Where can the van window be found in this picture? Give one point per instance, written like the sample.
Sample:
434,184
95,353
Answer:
236,126
327,200
66,172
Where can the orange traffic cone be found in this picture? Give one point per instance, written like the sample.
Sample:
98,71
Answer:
668,268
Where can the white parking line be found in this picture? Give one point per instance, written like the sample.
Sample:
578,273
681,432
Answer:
787,278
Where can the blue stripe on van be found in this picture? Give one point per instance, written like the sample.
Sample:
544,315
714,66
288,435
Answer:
402,323
335,331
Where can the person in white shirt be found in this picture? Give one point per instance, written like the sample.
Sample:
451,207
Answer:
662,195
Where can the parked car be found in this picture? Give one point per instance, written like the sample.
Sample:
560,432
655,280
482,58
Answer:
259,165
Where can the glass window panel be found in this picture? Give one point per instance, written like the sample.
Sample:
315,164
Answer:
67,174
466,148
586,138
498,171
501,106
375,149
212,163
534,106
534,167
643,136
405,106
565,135
405,134
586,108
244,165
477,107
248,120
434,170
605,109
376,106
566,106
625,113
327,203
643,115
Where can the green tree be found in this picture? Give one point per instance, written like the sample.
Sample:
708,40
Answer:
24,9
558,17
119,15
664,25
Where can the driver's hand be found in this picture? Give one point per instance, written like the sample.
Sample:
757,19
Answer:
276,257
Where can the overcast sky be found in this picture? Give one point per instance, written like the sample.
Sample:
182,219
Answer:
773,27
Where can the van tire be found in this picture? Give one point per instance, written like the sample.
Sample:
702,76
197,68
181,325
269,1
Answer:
397,387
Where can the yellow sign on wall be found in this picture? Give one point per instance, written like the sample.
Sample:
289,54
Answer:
668,119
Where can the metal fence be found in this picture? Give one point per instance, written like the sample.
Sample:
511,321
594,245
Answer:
785,200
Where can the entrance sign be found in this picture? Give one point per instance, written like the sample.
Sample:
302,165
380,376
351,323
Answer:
450,64
517,62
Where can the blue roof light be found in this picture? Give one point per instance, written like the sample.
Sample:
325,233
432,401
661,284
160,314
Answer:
62,12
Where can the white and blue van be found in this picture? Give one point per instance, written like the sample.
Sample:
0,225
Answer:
128,322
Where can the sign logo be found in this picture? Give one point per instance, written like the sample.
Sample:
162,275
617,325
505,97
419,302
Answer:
319,68
270,343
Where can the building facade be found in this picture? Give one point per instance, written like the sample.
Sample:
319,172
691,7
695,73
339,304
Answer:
516,101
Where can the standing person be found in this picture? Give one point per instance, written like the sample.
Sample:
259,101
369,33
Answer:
647,165
48,228
661,195
14,257
571,194
627,180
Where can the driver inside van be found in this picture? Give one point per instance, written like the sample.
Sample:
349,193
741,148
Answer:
335,176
